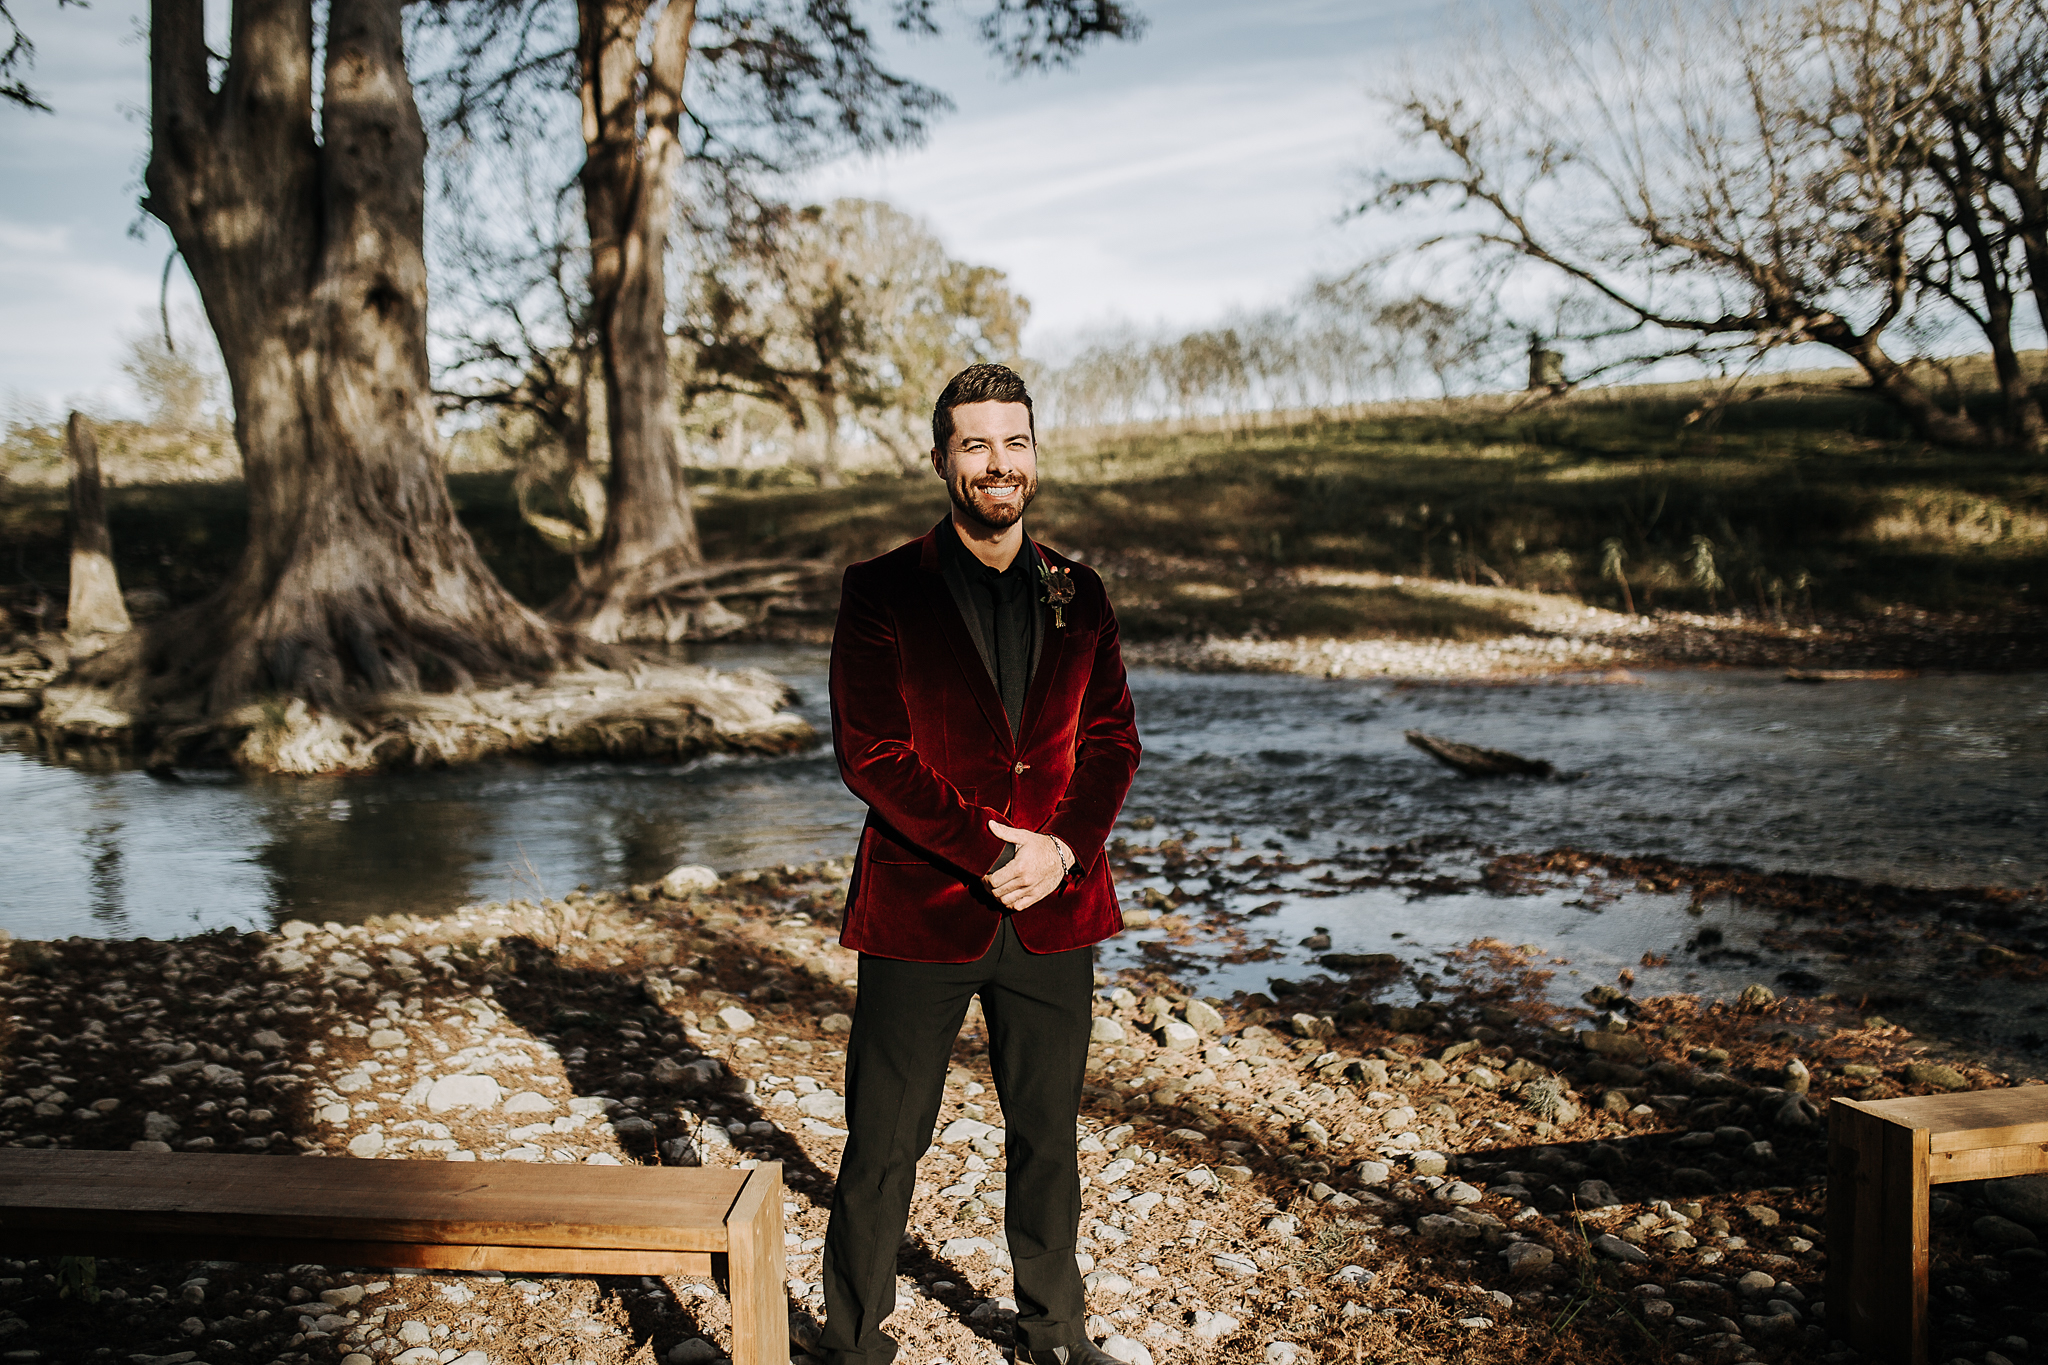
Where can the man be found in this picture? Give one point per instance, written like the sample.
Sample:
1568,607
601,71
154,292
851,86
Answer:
979,708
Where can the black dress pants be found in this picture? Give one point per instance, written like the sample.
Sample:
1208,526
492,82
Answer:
904,1024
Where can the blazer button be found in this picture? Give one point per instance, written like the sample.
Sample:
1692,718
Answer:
1019,767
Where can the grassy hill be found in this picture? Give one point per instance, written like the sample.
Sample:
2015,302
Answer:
1788,503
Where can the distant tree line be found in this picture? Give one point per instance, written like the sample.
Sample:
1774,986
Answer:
1336,342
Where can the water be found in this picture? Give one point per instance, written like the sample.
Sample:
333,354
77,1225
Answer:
1934,781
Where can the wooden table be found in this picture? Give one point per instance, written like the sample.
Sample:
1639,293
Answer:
1883,1156
699,1222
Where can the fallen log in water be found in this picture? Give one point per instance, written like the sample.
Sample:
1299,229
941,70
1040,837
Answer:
1474,761
1824,675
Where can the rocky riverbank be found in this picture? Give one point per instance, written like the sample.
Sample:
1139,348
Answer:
1336,1176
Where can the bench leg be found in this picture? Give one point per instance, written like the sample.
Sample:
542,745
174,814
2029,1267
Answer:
1877,1236
755,1262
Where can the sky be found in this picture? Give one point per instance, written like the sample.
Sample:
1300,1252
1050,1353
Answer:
1206,166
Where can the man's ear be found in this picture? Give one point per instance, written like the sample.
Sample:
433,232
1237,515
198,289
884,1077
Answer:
938,462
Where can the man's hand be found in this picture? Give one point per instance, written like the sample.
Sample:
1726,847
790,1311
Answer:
1033,874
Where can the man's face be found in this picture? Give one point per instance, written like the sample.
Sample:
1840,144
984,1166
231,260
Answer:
990,464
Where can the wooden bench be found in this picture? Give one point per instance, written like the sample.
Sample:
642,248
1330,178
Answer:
428,1215
1883,1157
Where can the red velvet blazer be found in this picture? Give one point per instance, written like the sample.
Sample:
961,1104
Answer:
921,736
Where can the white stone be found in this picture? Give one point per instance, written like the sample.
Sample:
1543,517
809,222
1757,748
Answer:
964,1130
383,1038
464,1092
1231,1263
688,879
1128,1351
1107,1283
1203,1016
1105,1030
1282,1353
366,1145
267,1039
736,1019
418,1355
823,1105
357,1358
1214,1326
1175,1036
471,1358
529,1102
413,1332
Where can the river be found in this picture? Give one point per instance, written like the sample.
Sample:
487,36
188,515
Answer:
1933,781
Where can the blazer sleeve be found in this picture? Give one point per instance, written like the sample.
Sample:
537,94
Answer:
872,738
1106,753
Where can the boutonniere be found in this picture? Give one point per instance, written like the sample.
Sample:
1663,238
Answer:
1059,591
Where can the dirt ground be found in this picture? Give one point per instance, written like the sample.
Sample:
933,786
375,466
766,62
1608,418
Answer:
1317,1174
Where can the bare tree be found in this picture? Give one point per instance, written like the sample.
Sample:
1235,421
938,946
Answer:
845,316
302,227
1722,184
18,58
749,86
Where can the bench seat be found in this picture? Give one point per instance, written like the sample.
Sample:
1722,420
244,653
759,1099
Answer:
1883,1158
519,1218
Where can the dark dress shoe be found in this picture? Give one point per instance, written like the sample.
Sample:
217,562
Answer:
1084,1352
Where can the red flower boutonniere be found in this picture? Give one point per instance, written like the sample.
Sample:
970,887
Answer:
1059,591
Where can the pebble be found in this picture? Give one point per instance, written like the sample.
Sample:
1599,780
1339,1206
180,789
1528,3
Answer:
1282,1353
1128,1351
1213,1326
1527,1258
1612,1247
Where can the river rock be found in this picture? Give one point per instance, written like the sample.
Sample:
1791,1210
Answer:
1612,1247
1128,1351
1429,1163
823,1105
463,1092
1372,1173
366,1145
1282,1353
695,1351
1442,1227
1597,1194
1105,1030
735,1019
2002,1233
1175,1036
1619,1047
529,1102
1107,1283
1203,1016
1526,1258
1458,1192
1212,1326
1936,1075
1756,997
159,1127
1798,1080
688,880
2022,1198
386,1038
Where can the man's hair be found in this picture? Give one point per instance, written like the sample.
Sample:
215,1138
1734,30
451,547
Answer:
978,384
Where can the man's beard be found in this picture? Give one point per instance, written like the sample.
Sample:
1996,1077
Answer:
997,516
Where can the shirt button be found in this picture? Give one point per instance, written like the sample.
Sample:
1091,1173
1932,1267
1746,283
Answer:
1019,767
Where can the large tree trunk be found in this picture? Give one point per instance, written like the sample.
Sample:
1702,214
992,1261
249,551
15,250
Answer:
96,607
357,578
632,113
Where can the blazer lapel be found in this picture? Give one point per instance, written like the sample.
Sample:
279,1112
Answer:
1046,651
969,652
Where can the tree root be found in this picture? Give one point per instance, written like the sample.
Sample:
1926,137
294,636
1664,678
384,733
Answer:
657,601
660,712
